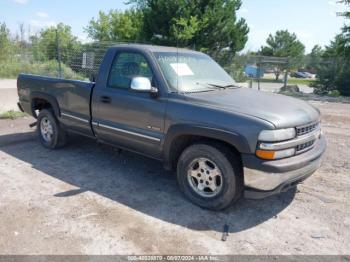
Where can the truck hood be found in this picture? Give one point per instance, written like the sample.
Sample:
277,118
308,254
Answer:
282,111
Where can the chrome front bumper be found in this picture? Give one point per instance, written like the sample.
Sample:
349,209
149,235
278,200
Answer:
263,179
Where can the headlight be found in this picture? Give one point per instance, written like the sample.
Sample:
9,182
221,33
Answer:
277,135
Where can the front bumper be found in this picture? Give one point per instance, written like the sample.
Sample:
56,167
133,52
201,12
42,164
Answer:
265,178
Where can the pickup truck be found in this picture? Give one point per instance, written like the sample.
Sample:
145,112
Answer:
180,107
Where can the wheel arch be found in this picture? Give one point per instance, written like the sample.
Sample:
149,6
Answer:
41,100
180,137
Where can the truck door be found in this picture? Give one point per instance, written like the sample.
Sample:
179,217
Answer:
125,118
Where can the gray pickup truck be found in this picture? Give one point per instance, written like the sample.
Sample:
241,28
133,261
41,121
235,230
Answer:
182,108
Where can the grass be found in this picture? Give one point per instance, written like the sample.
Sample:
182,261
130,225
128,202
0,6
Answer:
12,115
11,69
291,81
299,81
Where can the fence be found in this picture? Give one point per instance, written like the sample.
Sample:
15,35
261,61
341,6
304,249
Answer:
74,61
82,61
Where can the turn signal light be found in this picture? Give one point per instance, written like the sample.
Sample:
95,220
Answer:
265,154
272,155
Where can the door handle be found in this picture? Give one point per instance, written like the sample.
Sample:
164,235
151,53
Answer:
105,99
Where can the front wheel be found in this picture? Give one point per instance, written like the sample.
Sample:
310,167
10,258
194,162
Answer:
210,175
50,133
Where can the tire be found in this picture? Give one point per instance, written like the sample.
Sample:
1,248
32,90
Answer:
222,183
51,134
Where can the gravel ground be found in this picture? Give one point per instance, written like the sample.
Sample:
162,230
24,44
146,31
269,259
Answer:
8,83
91,199
8,95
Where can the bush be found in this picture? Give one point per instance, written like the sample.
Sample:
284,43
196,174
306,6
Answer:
320,88
49,68
342,80
236,71
239,76
334,93
331,80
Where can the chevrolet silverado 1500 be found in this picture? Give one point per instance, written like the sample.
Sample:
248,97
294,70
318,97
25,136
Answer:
180,107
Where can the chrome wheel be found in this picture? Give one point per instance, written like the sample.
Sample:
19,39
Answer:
205,177
46,129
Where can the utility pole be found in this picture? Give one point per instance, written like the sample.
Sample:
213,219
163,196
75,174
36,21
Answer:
259,71
285,81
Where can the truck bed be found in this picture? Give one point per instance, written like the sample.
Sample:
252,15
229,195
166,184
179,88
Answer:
72,98
72,95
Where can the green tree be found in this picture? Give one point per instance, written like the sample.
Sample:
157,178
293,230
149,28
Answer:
36,49
346,28
328,67
335,70
5,42
342,79
284,44
60,36
210,26
116,26
314,59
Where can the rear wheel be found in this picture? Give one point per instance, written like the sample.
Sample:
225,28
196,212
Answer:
50,133
210,175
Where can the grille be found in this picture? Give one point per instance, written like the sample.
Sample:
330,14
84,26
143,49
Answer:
303,130
304,147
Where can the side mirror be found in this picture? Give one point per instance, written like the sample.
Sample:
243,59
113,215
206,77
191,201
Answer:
142,84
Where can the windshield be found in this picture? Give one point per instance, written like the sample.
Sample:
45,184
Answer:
192,72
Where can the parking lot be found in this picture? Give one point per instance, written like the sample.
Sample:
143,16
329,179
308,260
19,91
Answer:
92,199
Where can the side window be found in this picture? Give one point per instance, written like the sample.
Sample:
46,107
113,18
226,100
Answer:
126,66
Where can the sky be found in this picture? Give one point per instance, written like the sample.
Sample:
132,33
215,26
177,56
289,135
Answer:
313,21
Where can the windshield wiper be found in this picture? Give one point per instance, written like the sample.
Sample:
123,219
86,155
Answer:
223,87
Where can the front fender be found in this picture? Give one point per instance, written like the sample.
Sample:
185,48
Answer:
234,139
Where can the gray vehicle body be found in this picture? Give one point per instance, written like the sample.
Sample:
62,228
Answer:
161,127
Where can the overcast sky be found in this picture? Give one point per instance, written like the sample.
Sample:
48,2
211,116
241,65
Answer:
314,21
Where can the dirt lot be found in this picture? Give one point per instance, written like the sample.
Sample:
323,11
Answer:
89,199
8,95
